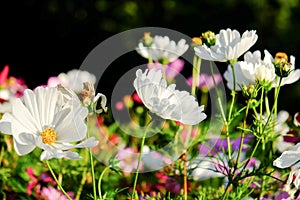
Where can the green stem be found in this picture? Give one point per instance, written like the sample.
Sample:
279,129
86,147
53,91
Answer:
230,111
100,180
139,162
195,74
267,104
252,154
56,180
243,133
150,61
222,112
89,119
274,108
277,89
232,93
93,173
84,175
1,155
261,117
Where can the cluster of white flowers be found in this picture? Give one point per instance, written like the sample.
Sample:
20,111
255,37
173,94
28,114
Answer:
254,69
162,49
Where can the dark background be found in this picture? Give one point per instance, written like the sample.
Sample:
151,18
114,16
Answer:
39,39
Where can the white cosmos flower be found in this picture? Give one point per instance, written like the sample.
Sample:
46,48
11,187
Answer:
254,68
251,70
166,101
48,119
73,79
290,158
163,49
229,45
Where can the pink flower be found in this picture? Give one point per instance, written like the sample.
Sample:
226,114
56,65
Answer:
136,98
172,185
53,81
4,74
128,160
206,81
120,105
50,193
171,70
37,182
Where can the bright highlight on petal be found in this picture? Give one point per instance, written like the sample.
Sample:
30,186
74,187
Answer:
166,101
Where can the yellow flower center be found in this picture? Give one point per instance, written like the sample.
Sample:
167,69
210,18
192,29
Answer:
48,136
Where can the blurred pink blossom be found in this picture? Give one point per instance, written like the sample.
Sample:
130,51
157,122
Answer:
171,70
206,81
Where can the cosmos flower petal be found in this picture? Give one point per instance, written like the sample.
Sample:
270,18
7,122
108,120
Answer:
289,157
229,45
23,116
72,127
292,78
23,149
46,155
5,125
63,122
163,48
90,142
166,101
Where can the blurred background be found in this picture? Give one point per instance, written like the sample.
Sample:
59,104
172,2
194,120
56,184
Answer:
44,38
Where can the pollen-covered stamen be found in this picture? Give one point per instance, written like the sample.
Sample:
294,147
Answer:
48,136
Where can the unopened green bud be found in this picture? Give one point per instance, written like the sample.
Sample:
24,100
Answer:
208,38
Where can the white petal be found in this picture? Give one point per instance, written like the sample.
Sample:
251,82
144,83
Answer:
287,159
72,127
46,155
24,118
23,149
164,100
5,123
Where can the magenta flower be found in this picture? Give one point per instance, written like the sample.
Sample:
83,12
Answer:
37,182
10,87
206,81
172,185
171,70
4,74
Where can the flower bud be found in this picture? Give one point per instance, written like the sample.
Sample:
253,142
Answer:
147,40
89,100
249,91
208,38
196,41
282,66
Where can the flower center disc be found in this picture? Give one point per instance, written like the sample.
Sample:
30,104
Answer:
48,136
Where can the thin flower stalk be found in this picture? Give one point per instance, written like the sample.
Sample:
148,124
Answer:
100,180
92,163
139,162
243,133
56,180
